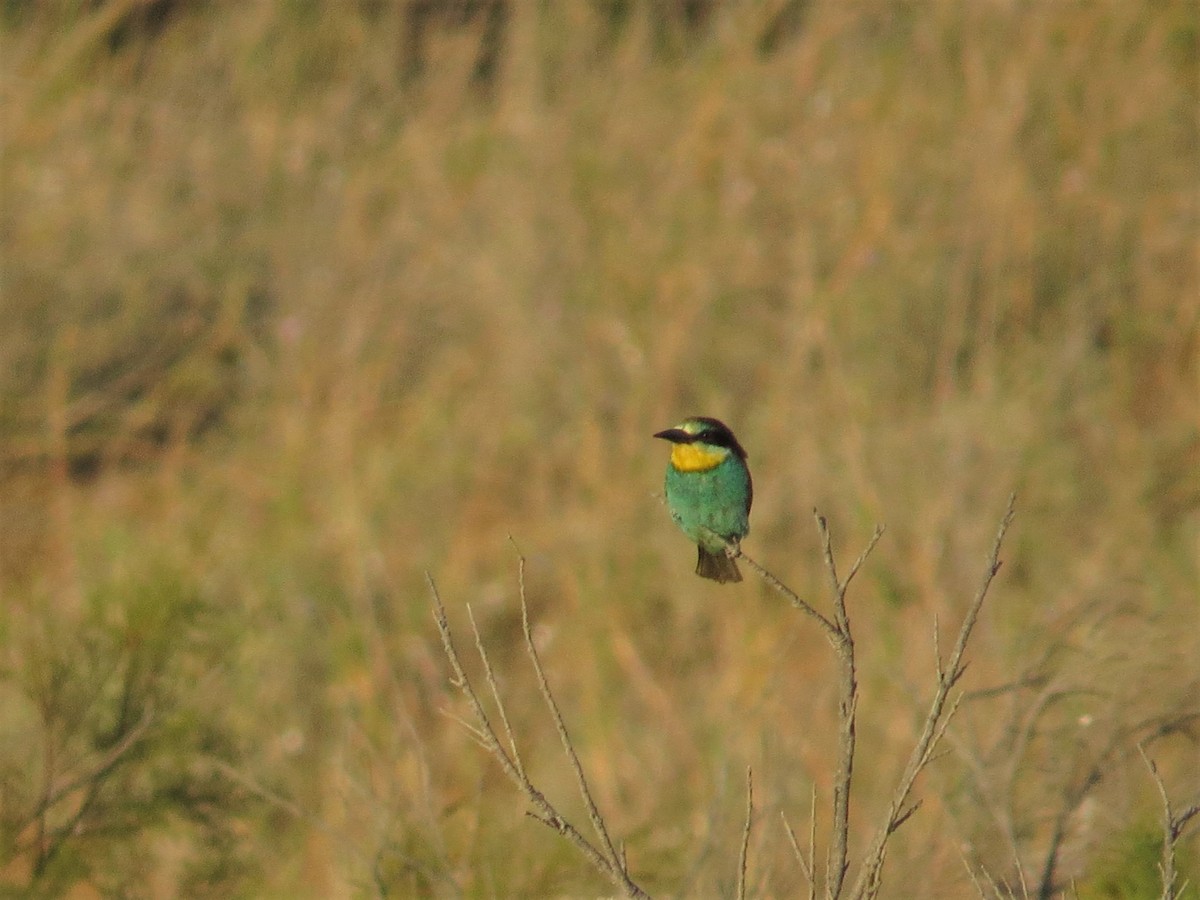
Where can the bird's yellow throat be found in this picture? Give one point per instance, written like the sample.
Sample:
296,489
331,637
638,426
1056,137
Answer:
694,458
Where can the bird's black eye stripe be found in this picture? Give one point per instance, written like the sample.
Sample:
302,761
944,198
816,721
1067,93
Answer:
716,438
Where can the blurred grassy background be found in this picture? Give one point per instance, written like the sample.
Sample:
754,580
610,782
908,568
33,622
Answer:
301,300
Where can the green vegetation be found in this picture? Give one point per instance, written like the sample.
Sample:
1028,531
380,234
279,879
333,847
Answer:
300,301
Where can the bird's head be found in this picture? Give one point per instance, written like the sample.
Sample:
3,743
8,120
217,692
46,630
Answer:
700,443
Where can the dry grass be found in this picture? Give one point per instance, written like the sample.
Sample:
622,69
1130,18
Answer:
284,330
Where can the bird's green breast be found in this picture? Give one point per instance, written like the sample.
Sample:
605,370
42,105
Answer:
711,501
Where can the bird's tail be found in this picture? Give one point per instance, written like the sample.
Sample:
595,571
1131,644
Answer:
717,566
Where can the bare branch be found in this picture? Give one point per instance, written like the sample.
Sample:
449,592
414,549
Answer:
838,862
606,862
593,813
837,632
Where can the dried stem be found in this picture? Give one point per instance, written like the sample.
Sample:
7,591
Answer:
741,881
838,860
606,860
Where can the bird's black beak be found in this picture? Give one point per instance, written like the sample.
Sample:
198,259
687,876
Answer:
676,436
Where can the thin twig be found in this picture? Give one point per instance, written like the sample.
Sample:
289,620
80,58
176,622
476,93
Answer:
975,879
1181,820
869,874
485,733
491,680
741,880
264,793
794,598
593,812
937,648
812,844
957,667
479,737
862,557
971,872
805,868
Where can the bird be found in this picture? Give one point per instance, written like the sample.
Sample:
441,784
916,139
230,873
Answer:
709,492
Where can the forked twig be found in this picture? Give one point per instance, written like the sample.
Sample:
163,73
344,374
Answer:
838,861
606,860
837,631
935,725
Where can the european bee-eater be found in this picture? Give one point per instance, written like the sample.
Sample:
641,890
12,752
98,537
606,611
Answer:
709,492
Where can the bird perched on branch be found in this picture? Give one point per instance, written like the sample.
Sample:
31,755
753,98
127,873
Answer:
709,492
